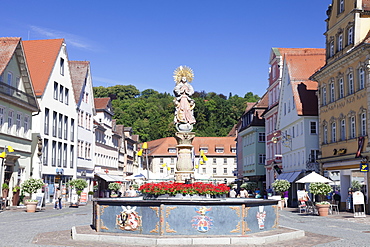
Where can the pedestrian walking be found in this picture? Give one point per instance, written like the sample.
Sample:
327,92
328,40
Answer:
286,196
58,199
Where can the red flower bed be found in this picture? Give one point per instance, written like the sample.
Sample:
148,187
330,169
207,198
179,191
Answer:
172,188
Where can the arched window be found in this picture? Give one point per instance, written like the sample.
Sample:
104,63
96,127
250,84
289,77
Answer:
325,134
361,78
324,96
350,35
333,132
341,88
332,92
351,88
352,130
363,124
342,129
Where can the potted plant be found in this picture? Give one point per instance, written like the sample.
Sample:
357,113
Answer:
322,190
16,192
90,194
356,185
5,189
114,187
280,186
30,186
78,185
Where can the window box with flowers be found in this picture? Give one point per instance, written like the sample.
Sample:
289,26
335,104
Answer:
170,190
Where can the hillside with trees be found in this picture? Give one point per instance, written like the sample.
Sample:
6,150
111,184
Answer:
151,113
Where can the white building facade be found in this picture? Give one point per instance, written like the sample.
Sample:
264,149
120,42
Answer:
298,117
84,98
56,125
17,105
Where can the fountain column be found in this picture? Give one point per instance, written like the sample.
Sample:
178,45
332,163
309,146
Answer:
184,121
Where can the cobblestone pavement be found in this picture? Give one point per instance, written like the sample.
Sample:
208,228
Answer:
53,228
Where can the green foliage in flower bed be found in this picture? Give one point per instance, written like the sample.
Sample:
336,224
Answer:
171,188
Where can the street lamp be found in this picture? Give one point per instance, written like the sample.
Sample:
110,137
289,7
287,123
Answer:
3,155
144,148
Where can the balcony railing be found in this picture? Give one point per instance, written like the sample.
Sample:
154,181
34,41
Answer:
17,94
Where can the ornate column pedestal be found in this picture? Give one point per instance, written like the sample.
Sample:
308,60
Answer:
184,165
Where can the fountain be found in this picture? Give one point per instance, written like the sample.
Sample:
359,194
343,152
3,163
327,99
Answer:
186,215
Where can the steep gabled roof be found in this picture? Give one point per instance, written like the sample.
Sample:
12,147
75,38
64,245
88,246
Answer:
7,49
101,103
79,71
301,67
41,56
10,47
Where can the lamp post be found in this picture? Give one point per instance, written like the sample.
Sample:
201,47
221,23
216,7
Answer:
3,155
145,148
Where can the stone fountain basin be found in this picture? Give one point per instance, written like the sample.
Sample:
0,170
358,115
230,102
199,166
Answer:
231,216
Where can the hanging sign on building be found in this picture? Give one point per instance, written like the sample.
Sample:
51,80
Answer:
361,141
364,167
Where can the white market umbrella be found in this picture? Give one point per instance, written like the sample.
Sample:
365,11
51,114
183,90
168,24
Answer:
314,177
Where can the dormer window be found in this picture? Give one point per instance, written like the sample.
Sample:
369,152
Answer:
219,150
172,150
205,149
233,149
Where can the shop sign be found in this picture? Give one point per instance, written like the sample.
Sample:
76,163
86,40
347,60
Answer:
364,167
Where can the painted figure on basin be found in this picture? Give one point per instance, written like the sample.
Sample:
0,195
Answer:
183,75
128,219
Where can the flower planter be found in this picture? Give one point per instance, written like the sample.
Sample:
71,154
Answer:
182,197
31,207
323,209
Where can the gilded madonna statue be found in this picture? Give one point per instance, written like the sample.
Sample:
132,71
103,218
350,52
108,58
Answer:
184,118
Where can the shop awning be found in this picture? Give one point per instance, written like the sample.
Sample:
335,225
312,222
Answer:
111,178
290,176
293,176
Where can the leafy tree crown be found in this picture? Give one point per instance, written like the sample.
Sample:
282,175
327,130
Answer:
319,188
280,185
31,185
78,184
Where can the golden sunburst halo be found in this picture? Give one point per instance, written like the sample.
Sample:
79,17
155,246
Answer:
183,71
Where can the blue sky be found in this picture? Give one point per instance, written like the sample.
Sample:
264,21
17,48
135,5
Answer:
227,43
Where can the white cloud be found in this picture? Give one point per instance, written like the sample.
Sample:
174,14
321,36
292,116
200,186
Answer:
71,39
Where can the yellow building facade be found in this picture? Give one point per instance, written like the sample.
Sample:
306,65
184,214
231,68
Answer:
344,94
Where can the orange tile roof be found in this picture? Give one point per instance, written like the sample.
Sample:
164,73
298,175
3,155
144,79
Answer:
79,71
301,66
101,103
7,49
41,56
160,147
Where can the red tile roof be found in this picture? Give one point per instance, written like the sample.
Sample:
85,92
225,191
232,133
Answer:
160,147
101,103
41,56
301,66
7,49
